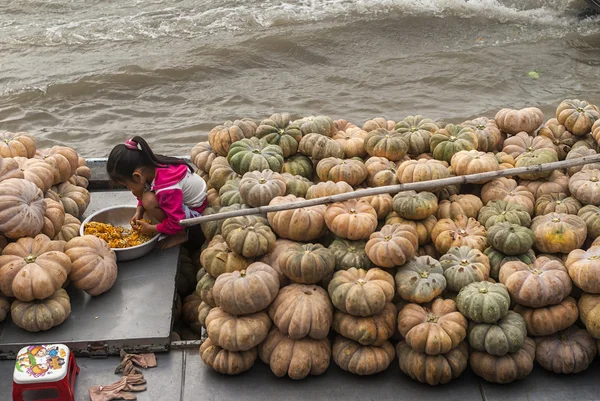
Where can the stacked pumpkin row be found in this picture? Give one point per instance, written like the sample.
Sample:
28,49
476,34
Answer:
42,196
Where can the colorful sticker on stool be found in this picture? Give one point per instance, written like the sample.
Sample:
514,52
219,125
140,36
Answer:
41,360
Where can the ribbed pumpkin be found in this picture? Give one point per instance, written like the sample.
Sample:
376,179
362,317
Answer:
510,239
557,203
367,330
458,232
585,187
434,329
383,143
279,130
382,204
246,291
272,257
319,147
504,369
556,182
578,153
351,138
64,161
421,170
463,266
253,154
69,229
9,168
74,199
415,206
451,139
302,311
53,218
220,173
381,171
540,156
523,143
514,121
569,351
258,188
422,227
562,139
222,136
558,232
483,302
304,224
497,259
584,269
248,236
218,258
577,116
466,205
306,264
393,245
204,288
333,169
550,319
500,212
589,312
489,137
22,208
298,165
379,122
473,162
93,264
237,333
321,125
361,292
420,280
545,282
432,369
202,156
212,197
506,189
41,315
296,185
505,161
505,336
37,172
226,362
229,194
591,215
417,131
328,188
350,254
14,144
362,360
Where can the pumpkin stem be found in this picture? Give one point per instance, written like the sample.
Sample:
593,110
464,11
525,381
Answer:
579,109
556,220
262,180
483,290
360,281
595,257
352,211
481,126
594,179
558,202
413,129
242,273
256,151
387,238
424,274
30,259
464,262
432,318
351,249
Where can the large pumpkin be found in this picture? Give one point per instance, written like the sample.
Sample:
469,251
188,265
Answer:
483,302
420,280
298,165
383,143
489,137
503,212
562,139
589,312
382,204
350,254
237,333
435,329
458,232
22,208
367,330
248,236
226,362
584,269
393,245
222,136
302,311
422,227
415,206
585,187
451,139
218,258
202,156
246,291
361,292
319,147
381,171
514,121
360,359
463,266
74,199
327,188
33,268
557,203
524,143
253,154
295,358
500,338
467,162
510,239
556,182
352,219
432,369
272,258
351,138
93,264
304,224
306,263
550,319
534,158
279,130
545,282
507,189
321,125
41,315
504,369
577,116
258,188
421,170
378,122
569,351
37,171
333,169
558,232
417,131
14,144
220,173
64,160
466,205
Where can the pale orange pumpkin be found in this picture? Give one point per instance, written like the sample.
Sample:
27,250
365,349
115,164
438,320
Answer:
37,172
507,189
382,204
9,168
472,162
556,182
13,144
381,171
222,136
584,269
523,143
304,224
558,232
422,227
579,153
64,160
379,122
514,121
467,205
489,137
585,187
462,231
328,188
577,116
74,199
505,161
421,170
69,229
22,208
202,156
93,264
351,138
333,169
53,218
82,175
352,219
562,139
393,245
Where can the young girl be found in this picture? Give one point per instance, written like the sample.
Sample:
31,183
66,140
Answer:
166,188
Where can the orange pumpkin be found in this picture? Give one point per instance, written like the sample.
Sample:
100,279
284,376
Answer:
422,227
523,143
319,147
328,188
489,137
506,189
221,172
381,171
549,319
64,160
361,292
352,219
379,122
505,161
558,232
69,229
393,245
93,264
202,156
381,203
37,171
421,170
9,168
237,333
462,231
13,144
504,369
351,171
584,269
304,224
258,188
351,138
514,121
585,187
74,199
578,116
369,330
556,182
472,162
466,205
53,218
22,208
360,359
222,136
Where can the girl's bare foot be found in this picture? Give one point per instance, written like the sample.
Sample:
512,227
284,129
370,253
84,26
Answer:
173,240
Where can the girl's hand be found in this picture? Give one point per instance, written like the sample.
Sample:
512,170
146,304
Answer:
139,214
146,228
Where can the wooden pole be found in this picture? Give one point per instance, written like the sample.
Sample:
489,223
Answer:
392,189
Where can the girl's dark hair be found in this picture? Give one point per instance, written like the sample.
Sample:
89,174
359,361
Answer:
125,159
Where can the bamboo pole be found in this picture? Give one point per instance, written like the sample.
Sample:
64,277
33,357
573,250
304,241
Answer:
392,189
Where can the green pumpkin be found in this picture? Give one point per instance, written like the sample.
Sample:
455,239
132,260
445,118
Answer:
278,130
463,266
350,254
253,154
417,131
591,215
510,239
296,185
415,206
212,228
483,302
230,193
389,144
320,147
306,264
248,236
497,259
539,156
500,338
420,280
204,289
321,125
298,165
221,172
450,140
501,212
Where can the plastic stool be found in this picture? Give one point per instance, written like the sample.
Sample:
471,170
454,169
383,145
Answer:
45,367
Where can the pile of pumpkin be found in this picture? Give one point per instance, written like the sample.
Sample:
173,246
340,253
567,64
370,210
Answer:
480,274
42,197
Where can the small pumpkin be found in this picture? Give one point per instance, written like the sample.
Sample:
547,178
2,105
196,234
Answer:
383,143
69,229
304,224
432,369
422,227
510,239
251,154
545,282
9,168
505,161
505,336
328,188
514,121
37,171
483,302
382,204
60,158
351,138
247,291
421,170
296,185
562,139
368,330
333,169
349,254
417,131
202,155
556,182
222,136
415,206
306,263
451,139
280,130
248,236
585,187
591,215
15,144
381,171
463,266
589,313
578,153
379,122
578,116
302,311
321,125
473,161
570,351
557,203
226,362
41,315
549,319
458,232
504,369
258,188
53,218
539,156
298,165
420,280
362,360
435,329
506,189
466,205
218,258
558,232
229,194
237,333
93,264
503,212
522,143
584,269
74,199
361,292
489,136
319,147
221,173
393,245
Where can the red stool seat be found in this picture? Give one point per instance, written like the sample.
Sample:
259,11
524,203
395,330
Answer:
45,367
